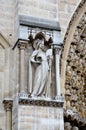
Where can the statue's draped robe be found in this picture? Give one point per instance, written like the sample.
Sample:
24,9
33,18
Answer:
41,73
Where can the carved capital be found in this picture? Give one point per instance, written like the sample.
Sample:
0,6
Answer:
57,49
8,104
22,45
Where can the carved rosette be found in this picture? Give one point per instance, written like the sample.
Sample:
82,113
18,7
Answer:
8,104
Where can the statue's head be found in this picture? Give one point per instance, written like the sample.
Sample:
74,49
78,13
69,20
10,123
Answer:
39,40
40,36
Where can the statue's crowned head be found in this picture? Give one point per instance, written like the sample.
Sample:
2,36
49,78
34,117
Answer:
40,36
39,40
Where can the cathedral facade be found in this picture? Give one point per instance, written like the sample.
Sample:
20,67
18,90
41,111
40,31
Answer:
42,65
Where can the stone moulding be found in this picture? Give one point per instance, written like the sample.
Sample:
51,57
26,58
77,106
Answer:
41,102
39,22
21,40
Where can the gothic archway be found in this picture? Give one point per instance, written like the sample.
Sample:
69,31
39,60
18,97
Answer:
73,69
69,38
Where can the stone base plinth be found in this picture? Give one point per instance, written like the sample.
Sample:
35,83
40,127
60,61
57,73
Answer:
40,118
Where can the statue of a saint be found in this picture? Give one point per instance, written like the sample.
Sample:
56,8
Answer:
38,63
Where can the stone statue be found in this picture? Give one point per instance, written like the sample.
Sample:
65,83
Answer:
38,63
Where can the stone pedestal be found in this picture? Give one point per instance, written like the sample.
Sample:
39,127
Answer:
35,114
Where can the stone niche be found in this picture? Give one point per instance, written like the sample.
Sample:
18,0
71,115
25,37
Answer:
29,40
40,103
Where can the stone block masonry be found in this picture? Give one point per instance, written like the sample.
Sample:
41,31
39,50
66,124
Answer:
40,118
6,17
47,9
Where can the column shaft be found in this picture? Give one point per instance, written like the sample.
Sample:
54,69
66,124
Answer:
22,72
57,70
22,46
57,58
9,120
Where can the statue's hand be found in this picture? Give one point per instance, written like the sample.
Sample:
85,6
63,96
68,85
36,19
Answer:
39,59
36,60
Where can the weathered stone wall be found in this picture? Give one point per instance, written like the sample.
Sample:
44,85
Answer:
2,119
4,77
6,18
42,9
57,10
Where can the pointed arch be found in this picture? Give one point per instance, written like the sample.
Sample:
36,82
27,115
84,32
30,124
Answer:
68,39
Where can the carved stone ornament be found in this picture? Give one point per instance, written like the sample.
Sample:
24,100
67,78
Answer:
57,49
22,45
8,104
41,102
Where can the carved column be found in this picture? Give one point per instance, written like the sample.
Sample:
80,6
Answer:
8,108
57,51
22,46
